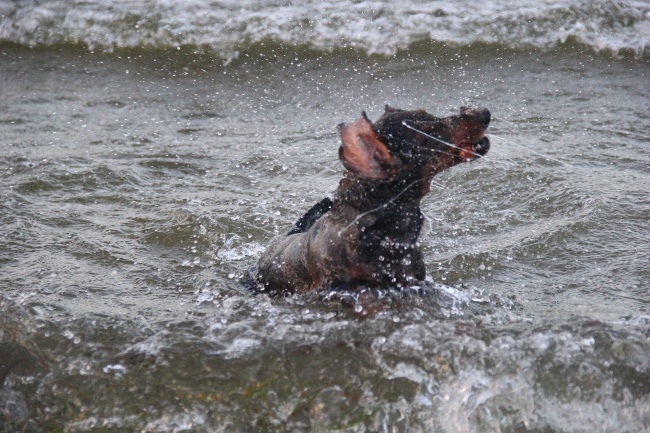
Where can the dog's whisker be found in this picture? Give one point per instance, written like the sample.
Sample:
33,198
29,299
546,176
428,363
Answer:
534,152
425,149
502,159
502,119
437,151
440,141
515,126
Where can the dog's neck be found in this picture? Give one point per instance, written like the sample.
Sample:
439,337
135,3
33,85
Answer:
381,210
365,195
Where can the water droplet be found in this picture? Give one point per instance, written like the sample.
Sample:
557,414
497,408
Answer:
206,296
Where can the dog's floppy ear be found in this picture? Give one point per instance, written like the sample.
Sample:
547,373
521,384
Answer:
362,151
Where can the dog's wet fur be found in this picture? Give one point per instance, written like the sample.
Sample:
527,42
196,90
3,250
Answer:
367,234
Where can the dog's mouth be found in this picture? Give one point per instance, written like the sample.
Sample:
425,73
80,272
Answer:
476,150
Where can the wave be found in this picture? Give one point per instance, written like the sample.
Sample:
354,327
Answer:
376,27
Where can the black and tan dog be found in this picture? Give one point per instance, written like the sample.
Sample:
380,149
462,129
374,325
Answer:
367,236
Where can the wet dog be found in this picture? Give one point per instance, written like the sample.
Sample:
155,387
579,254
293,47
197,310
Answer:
367,235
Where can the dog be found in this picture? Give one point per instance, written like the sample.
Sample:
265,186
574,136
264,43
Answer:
367,234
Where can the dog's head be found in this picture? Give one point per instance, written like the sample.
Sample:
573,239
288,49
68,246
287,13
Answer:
412,143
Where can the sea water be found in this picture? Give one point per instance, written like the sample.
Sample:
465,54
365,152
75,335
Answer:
150,150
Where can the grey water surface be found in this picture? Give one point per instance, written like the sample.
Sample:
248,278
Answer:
141,176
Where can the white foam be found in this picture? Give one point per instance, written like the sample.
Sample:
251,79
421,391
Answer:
376,27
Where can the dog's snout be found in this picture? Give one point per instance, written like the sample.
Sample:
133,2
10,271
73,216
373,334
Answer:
484,117
481,116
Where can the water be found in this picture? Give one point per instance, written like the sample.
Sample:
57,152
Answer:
151,150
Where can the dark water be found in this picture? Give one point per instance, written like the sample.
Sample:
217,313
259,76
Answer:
138,186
